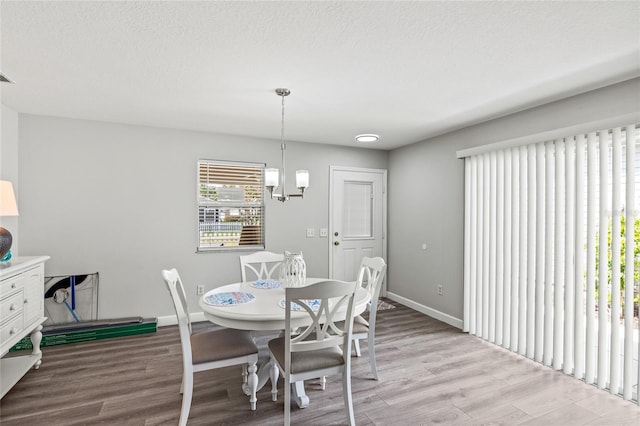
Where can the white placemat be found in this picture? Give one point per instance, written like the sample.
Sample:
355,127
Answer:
228,298
314,304
266,284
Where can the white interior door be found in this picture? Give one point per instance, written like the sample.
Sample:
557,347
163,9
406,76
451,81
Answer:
357,219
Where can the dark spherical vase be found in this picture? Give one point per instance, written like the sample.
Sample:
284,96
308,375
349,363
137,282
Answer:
5,242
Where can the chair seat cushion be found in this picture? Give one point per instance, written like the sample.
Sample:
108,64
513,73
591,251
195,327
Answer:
360,325
306,361
215,345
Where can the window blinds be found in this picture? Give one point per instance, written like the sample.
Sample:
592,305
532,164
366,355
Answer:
552,256
230,205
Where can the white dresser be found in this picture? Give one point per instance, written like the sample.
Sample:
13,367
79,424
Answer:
21,314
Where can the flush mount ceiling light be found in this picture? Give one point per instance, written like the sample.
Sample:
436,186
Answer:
271,175
367,138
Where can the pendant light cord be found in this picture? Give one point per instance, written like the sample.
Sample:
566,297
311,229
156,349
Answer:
283,148
282,125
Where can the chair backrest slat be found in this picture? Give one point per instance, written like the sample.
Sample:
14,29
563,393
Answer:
337,299
179,298
371,276
262,265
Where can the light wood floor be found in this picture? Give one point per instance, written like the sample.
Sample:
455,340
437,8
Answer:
430,373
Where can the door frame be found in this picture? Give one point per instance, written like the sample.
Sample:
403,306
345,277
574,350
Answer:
383,172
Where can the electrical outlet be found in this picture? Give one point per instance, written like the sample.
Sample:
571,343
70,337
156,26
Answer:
200,289
311,232
440,290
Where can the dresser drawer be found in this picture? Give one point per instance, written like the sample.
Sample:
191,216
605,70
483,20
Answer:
11,328
11,305
11,285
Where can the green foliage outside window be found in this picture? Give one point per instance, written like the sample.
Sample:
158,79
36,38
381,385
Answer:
636,265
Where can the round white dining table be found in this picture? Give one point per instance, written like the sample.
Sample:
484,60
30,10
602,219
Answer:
265,312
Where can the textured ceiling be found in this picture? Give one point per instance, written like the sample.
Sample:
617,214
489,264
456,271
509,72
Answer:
405,70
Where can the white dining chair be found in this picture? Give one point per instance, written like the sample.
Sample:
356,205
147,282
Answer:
209,349
261,265
370,276
322,347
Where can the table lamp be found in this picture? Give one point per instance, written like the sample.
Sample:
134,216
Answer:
8,207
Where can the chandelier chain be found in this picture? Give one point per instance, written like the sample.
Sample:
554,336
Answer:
282,125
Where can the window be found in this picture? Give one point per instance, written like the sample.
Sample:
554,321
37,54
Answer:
230,205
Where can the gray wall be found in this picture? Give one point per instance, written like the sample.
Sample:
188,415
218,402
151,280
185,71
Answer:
426,193
9,167
120,200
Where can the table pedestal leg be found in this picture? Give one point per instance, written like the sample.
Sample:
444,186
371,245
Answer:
264,373
299,394
264,369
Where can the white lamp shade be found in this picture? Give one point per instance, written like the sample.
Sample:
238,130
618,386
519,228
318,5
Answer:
271,177
8,205
302,178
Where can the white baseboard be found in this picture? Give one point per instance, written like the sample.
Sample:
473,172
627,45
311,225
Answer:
433,313
172,320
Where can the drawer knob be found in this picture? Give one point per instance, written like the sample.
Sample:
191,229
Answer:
13,307
13,285
13,331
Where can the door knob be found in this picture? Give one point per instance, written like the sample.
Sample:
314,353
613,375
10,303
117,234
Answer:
336,243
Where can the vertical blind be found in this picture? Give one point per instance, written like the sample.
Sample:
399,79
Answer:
552,254
230,205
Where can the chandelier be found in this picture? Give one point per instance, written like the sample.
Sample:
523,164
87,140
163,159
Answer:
271,175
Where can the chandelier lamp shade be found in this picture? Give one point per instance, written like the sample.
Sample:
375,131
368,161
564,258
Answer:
8,207
272,175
